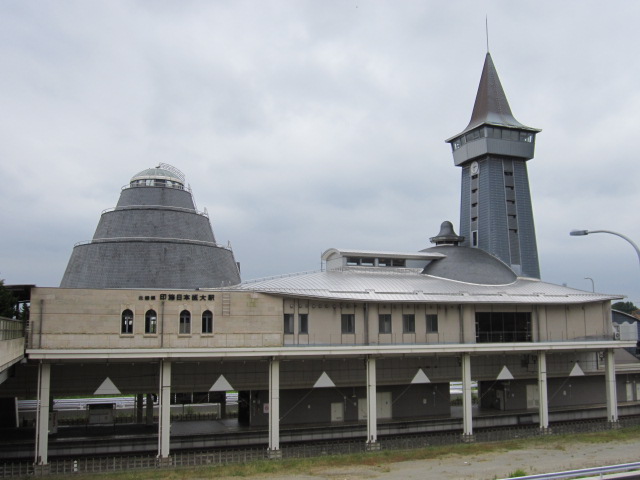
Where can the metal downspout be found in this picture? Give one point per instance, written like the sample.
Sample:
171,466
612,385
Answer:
162,324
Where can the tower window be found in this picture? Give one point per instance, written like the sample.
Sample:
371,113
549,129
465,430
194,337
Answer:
474,238
526,137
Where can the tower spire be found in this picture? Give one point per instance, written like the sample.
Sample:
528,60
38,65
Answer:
495,209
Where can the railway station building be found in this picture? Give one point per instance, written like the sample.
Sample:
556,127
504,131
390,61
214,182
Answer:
369,345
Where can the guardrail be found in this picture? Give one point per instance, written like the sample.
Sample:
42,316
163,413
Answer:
623,467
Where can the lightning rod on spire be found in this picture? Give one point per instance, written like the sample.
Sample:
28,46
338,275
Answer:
486,27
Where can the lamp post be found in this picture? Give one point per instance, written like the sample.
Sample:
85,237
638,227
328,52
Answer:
593,285
580,233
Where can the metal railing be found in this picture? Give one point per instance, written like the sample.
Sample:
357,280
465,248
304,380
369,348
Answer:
11,328
307,450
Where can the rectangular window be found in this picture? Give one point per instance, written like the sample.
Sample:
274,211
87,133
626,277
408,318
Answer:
348,323
288,323
409,323
303,323
384,323
502,327
432,323
474,238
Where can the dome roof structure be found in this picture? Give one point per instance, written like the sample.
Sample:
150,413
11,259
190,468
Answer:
465,264
163,174
469,265
153,238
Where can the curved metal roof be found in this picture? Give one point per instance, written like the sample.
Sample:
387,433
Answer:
411,286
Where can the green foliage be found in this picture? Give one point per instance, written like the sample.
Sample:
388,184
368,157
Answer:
518,473
626,307
8,303
310,466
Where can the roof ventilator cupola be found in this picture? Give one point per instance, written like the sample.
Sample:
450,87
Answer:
447,235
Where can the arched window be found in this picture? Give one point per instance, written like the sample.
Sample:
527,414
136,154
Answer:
126,325
207,321
151,322
185,321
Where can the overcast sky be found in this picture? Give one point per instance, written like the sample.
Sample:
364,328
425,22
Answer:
305,125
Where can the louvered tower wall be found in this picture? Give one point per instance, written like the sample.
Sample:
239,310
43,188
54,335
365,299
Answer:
495,209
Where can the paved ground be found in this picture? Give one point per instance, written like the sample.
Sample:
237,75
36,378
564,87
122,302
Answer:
552,457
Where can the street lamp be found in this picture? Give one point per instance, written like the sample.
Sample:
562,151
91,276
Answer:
580,233
593,285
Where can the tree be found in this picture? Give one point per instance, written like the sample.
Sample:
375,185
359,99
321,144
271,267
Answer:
8,302
625,307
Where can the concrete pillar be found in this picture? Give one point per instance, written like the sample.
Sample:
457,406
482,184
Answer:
274,408
223,405
149,409
467,400
372,405
42,414
543,402
610,379
468,327
164,398
139,407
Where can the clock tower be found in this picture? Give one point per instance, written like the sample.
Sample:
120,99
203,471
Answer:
495,208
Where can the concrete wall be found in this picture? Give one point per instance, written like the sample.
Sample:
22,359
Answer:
313,406
86,318
90,318
11,351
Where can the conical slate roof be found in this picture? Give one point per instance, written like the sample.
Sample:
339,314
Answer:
491,106
153,238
